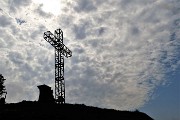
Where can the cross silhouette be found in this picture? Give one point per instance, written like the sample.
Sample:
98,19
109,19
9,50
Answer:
61,50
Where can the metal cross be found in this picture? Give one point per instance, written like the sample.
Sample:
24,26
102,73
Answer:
61,50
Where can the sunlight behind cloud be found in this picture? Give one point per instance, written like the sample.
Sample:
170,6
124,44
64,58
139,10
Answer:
50,6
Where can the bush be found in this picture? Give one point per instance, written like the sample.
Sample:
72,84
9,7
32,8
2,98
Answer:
2,87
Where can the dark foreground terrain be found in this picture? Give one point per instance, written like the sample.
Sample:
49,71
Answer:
36,111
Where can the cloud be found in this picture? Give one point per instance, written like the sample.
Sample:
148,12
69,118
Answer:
4,21
122,50
80,31
18,4
85,6
42,13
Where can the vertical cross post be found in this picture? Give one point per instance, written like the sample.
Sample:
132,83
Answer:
59,77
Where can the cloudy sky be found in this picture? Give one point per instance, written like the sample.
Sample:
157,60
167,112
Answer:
125,52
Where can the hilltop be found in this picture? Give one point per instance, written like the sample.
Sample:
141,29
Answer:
28,110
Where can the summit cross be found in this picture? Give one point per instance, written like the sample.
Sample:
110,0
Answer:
61,50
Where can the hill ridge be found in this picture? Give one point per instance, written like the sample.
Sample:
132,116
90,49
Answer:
28,110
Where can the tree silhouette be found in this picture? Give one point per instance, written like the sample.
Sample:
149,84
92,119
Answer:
2,87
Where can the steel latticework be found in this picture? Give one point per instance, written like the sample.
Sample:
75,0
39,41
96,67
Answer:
61,50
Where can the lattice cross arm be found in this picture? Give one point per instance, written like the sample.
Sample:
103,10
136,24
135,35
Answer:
65,51
49,37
